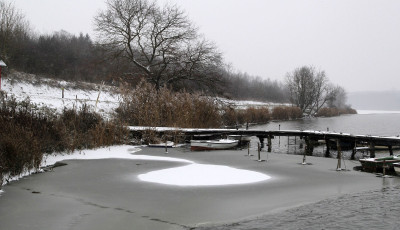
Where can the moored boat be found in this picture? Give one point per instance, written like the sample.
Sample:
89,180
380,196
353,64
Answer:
169,144
396,167
376,164
198,145
243,138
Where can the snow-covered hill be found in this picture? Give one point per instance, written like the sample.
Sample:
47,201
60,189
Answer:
49,92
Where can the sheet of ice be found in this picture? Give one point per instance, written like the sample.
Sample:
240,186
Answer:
376,112
203,175
114,152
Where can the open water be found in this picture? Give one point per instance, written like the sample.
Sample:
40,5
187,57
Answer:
365,124
377,209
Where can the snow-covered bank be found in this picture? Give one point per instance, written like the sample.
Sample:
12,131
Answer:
193,174
255,104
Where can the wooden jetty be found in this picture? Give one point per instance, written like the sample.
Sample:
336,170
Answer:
309,136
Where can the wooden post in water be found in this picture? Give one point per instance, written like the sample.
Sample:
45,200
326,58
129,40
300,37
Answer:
248,150
327,151
166,146
339,155
384,168
269,143
304,158
353,153
372,150
309,147
261,141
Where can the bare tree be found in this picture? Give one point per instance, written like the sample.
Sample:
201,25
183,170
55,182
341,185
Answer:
159,41
309,89
339,100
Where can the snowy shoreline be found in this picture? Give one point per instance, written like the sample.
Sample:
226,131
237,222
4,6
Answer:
195,173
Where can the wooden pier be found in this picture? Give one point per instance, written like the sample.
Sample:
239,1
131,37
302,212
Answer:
310,137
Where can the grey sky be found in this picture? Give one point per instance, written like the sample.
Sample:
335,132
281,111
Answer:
357,42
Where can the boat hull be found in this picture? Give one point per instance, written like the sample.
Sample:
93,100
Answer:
169,144
396,167
201,145
376,164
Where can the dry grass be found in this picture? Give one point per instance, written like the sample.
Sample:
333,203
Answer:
27,132
286,113
331,112
145,106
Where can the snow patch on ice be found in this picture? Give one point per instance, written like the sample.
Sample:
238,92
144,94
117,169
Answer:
114,152
203,175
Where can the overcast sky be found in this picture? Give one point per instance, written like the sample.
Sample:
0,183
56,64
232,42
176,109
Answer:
356,42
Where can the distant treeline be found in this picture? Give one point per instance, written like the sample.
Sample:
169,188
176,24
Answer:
69,57
66,56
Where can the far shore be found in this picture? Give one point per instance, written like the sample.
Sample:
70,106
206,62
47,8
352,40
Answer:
107,193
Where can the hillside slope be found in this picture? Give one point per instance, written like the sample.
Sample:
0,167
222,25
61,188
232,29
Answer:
48,92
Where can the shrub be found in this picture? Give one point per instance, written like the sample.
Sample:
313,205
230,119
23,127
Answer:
286,113
28,131
146,106
330,112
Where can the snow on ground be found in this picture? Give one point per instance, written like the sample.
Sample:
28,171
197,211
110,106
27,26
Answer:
48,92
193,174
255,104
203,175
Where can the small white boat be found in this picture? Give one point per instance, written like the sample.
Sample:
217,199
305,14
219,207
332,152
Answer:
396,167
242,138
169,144
198,145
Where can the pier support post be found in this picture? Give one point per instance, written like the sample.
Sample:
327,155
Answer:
327,151
309,147
269,143
372,149
339,155
390,150
353,153
261,142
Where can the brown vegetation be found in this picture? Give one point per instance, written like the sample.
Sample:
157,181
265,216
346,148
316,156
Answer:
147,106
330,112
286,113
233,117
27,132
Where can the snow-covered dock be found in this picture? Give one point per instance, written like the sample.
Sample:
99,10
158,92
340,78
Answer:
309,136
